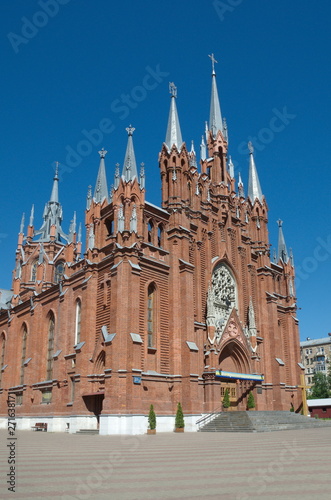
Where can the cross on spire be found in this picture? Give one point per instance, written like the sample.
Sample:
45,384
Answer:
102,153
130,130
213,61
172,89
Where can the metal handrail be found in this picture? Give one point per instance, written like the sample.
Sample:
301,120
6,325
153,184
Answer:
208,417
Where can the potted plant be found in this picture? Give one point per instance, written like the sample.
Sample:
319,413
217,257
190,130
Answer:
179,422
226,400
151,421
250,401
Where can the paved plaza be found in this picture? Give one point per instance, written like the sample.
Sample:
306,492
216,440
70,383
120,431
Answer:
226,466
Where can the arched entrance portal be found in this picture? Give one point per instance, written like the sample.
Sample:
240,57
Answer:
233,359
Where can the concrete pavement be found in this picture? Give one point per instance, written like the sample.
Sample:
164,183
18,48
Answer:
227,466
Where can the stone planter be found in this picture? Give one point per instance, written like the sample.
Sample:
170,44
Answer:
179,429
151,431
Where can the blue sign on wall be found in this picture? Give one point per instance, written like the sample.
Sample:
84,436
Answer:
136,380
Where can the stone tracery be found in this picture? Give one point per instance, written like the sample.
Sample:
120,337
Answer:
220,302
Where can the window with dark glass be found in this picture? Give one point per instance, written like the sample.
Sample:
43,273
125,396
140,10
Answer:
78,321
59,272
50,347
34,271
23,357
151,315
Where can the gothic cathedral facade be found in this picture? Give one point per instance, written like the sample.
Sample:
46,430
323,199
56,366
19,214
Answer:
168,304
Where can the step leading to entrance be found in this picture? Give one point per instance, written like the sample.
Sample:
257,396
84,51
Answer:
260,421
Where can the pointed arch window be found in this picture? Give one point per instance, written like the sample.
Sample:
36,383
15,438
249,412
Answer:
189,186
150,232
160,236
78,321
50,346
2,355
59,272
34,270
23,357
151,315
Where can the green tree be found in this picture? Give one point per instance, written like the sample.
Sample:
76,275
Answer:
320,388
329,374
152,418
179,422
226,399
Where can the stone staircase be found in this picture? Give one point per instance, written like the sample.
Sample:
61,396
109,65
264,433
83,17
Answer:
88,431
260,421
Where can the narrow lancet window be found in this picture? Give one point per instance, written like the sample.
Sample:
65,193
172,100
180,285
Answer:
23,358
50,347
151,316
78,321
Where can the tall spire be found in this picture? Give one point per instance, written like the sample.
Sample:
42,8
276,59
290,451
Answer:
254,187
282,250
130,167
55,190
174,135
215,116
52,214
101,189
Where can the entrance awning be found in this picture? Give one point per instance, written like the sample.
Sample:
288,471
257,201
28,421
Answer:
101,393
239,376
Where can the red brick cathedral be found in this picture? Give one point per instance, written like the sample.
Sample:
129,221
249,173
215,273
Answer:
168,304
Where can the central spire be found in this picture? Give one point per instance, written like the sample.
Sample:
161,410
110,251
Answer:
55,190
174,135
101,190
215,117
254,187
52,214
130,167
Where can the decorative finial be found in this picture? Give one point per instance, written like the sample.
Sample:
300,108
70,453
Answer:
172,89
102,153
280,223
250,147
130,130
213,61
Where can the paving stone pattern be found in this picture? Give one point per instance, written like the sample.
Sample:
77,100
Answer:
290,464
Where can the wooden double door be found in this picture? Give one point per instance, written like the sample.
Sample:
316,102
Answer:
233,393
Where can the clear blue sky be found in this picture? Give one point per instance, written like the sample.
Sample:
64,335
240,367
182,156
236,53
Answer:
65,71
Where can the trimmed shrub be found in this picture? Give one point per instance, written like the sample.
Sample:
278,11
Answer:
250,401
152,418
179,422
226,399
